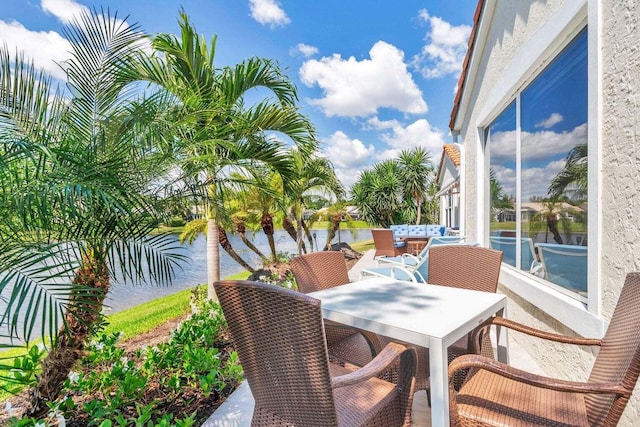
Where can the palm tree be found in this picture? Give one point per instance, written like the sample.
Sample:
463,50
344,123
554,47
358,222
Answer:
312,174
416,172
76,200
214,132
335,213
573,175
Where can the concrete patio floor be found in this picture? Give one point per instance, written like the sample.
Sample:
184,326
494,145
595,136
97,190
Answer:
237,410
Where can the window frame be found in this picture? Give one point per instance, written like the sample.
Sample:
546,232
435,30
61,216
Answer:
544,46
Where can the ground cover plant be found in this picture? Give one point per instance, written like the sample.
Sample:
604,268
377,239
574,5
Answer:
175,383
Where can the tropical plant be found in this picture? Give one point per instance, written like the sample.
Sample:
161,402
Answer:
335,213
378,194
417,173
75,185
213,131
312,175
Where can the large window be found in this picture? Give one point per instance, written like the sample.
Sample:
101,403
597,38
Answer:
537,150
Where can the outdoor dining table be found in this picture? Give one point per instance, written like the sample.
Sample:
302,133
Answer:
430,316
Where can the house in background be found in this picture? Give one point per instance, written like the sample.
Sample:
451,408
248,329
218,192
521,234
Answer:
549,92
448,179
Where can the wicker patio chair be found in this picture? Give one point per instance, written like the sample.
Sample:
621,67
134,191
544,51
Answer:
323,270
278,334
496,393
385,243
459,266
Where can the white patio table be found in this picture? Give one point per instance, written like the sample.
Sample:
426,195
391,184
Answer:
426,315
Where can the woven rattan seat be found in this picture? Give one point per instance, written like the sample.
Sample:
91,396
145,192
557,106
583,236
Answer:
323,270
279,336
497,394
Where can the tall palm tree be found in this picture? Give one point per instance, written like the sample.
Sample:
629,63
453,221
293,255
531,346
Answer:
215,132
417,172
75,185
312,174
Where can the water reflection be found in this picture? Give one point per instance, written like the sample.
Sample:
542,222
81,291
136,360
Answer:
194,272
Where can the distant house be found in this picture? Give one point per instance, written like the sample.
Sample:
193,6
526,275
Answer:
543,80
448,179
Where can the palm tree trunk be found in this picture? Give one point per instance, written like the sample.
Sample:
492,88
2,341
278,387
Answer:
418,210
335,225
81,316
308,234
267,227
241,229
213,258
226,245
289,228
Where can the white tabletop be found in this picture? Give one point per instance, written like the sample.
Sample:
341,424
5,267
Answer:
408,311
426,315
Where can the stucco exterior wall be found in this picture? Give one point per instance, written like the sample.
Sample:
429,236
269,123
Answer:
620,147
511,25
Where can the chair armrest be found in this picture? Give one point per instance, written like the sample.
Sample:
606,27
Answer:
381,363
405,271
501,321
409,256
341,331
480,362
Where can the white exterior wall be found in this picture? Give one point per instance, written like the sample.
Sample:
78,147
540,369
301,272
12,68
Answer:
448,176
516,39
620,147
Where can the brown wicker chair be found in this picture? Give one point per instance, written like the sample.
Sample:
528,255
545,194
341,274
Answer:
495,393
385,245
278,334
323,270
459,266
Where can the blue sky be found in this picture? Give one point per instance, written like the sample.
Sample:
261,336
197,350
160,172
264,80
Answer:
375,77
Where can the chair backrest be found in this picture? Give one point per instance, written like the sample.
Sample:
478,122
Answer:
464,266
384,242
507,245
618,360
565,265
320,270
278,334
399,230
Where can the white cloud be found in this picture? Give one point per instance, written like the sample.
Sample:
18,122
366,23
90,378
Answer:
349,156
268,12
304,49
550,121
45,48
536,145
64,10
399,137
445,48
355,88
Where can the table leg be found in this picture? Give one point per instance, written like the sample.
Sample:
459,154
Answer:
438,383
502,339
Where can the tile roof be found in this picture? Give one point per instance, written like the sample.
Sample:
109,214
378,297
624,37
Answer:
451,151
465,64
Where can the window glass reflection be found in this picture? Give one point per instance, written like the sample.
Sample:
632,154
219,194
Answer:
553,172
